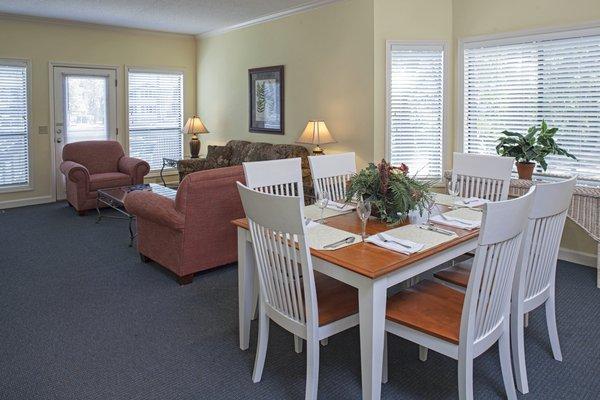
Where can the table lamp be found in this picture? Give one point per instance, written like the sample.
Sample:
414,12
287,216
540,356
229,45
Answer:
194,126
316,132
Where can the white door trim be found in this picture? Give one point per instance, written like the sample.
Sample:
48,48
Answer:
52,138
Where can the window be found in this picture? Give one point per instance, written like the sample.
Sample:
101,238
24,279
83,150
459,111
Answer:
155,116
415,107
14,124
515,83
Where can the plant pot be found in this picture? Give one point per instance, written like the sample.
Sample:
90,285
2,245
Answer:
525,170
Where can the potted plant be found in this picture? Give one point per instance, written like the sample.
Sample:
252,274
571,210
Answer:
390,190
531,148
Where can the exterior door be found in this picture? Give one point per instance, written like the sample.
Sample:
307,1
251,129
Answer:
85,108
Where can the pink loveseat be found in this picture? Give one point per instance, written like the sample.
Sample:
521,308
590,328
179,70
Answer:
98,164
193,232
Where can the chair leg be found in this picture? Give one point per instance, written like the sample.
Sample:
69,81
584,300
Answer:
144,259
261,347
185,279
324,342
384,371
256,301
297,344
465,378
517,332
312,368
552,331
507,375
423,353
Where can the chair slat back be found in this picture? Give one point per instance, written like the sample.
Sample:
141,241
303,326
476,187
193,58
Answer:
281,177
281,253
483,176
542,239
487,299
331,172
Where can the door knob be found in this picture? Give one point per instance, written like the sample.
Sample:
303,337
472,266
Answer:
58,140
59,131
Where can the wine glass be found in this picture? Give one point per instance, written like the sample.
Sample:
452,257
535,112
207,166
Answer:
322,201
452,189
363,209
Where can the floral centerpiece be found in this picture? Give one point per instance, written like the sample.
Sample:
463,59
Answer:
391,191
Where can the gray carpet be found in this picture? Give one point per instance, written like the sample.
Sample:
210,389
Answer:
83,318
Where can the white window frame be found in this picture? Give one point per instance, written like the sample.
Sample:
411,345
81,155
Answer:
157,70
418,45
30,185
515,37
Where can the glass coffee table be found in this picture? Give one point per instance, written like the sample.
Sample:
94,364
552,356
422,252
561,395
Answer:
115,199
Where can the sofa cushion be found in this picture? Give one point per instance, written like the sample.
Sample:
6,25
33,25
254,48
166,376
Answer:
218,157
98,156
239,148
261,152
109,180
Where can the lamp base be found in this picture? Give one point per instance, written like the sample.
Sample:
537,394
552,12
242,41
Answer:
318,151
194,147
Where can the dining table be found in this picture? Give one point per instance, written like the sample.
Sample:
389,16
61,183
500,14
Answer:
369,268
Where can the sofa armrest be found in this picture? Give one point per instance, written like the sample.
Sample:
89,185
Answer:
155,208
189,165
135,168
75,172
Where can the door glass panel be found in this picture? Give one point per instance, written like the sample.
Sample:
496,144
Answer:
85,108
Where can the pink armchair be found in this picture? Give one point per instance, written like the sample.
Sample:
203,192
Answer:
193,232
98,164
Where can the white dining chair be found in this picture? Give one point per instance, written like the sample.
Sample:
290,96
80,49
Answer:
306,303
464,325
483,176
535,278
331,172
282,177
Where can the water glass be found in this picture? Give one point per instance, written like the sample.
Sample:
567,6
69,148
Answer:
453,190
322,201
363,209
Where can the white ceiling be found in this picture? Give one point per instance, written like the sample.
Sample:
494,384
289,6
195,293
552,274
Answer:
180,16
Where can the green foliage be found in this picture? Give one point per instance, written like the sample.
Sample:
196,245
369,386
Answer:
390,190
536,145
260,97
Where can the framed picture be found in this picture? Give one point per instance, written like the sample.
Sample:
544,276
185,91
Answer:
266,100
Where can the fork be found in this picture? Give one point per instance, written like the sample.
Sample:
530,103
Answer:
386,240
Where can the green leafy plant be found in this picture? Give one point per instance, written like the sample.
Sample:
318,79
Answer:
536,145
390,190
260,97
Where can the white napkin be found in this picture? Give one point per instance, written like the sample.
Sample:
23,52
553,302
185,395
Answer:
334,205
471,202
414,247
456,222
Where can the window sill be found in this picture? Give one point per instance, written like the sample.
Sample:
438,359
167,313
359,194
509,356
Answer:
16,189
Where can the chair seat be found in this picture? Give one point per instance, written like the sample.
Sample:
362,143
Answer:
430,308
109,180
336,299
458,274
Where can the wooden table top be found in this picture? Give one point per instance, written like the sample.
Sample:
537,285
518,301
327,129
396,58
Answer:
368,259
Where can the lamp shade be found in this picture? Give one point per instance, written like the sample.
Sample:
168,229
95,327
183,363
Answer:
194,126
316,132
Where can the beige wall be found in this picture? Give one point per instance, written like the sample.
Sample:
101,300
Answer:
328,58
44,42
484,17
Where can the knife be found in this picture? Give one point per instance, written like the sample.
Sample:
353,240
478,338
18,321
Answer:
434,229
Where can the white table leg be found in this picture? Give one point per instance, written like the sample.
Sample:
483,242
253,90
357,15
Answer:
372,302
246,287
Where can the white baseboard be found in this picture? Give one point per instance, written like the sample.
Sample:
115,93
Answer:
25,202
577,257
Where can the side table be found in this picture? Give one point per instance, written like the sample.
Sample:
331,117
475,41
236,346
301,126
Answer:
167,162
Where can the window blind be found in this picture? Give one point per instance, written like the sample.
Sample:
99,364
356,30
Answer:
416,108
14,141
515,85
155,116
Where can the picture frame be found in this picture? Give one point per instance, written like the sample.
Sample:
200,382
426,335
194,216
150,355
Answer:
266,100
